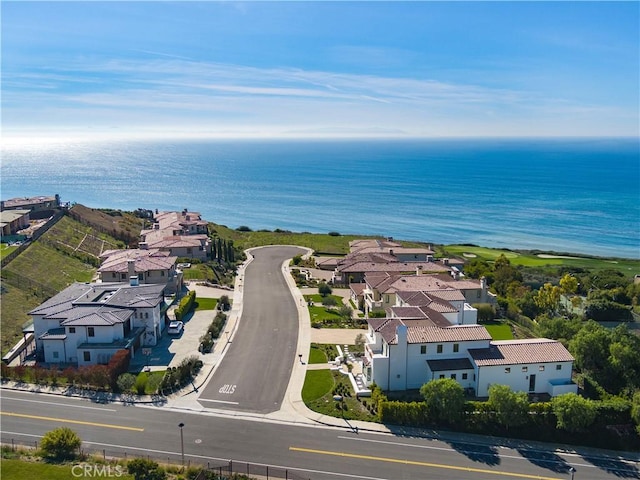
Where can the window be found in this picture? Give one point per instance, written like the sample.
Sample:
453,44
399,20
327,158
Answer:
189,251
441,376
507,370
456,347
87,356
439,348
91,332
541,368
113,274
56,354
525,369
464,376
453,376
72,329
162,273
123,276
141,276
558,367
423,349
146,314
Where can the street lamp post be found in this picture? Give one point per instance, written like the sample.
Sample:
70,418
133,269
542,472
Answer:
181,425
572,471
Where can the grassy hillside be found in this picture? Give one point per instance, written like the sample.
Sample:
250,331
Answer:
322,243
67,253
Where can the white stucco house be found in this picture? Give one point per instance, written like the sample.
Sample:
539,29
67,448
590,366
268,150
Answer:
86,324
432,335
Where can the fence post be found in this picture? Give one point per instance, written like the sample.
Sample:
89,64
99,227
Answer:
267,472
104,454
286,474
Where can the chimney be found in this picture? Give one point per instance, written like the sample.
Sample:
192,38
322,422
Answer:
429,258
391,251
156,226
419,270
131,268
445,261
143,246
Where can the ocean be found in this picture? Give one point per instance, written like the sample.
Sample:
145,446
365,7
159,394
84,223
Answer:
562,195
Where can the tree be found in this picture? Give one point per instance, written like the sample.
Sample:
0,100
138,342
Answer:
590,347
60,444
635,410
511,408
486,311
568,284
345,312
143,469
324,289
557,328
361,339
548,298
573,412
444,398
297,260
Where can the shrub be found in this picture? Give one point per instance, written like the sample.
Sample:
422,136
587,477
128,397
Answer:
573,412
143,469
334,234
60,444
141,383
243,228
125,382
185,305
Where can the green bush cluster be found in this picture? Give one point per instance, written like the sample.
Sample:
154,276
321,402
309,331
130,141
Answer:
213,332
185,305
177,377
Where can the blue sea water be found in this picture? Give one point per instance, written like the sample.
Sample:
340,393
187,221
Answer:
563,195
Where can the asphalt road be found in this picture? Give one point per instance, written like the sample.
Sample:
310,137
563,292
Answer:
255,371
313,452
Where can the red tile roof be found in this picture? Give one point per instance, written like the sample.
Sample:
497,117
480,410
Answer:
510,352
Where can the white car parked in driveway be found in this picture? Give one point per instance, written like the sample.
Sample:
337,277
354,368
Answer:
175,328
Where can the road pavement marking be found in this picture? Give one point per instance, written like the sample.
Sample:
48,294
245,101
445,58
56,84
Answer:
60,404
64,420
421,464
448,449
218,401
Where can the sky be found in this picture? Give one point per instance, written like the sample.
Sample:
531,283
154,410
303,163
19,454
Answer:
320,69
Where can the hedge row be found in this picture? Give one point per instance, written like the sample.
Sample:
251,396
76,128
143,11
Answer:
185,305
99,377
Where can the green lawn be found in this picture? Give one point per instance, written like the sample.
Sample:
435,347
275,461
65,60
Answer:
499,331
19,470
316,355
6,250
316,384
536,259
322,401
206,303
317,298
322,313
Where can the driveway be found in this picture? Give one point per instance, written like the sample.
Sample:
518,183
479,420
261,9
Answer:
256,368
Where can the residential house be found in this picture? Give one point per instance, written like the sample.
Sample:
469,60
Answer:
86,324
14,220
39,207
426,337
152,266
379,292
182,234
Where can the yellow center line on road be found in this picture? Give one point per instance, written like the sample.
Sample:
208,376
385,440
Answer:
422,464
79,422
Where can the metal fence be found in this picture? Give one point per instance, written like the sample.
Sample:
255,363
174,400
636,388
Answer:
211,469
